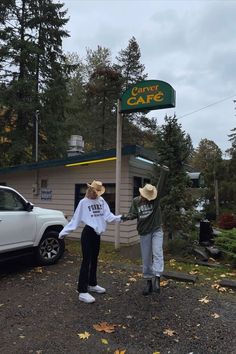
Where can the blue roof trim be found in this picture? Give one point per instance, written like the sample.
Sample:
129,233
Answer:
126,150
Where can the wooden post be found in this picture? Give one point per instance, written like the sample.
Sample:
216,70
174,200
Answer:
217,199
118,170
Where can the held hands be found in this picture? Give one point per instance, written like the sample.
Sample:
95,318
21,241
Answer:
123,218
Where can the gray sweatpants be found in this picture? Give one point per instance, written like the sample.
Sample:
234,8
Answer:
152,253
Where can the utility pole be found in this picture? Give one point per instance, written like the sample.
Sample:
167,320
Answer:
36,184
36,136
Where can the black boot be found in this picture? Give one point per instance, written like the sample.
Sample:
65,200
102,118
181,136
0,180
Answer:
156,285
148,288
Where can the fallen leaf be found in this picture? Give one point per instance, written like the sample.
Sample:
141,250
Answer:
215,286
104,327
169,332
129,316
172,262
219,288
84,335
193,272
164,282
120,351
132,279
204,300
104,341
156,353
222,290
1,305
215,315
21,336
139,275
38,270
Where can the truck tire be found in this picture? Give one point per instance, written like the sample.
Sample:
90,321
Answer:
50,248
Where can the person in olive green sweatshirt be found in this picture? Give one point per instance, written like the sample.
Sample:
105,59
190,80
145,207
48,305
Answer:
146,209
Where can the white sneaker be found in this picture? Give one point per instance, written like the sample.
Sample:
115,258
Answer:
97,289
86,297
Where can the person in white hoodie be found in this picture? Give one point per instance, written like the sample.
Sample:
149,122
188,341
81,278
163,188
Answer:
94,212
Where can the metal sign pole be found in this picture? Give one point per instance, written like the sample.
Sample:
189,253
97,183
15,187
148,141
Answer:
118,170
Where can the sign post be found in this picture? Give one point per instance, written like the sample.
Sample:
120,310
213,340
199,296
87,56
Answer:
118,170
143,96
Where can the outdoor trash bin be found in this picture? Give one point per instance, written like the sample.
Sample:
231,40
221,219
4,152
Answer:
205,232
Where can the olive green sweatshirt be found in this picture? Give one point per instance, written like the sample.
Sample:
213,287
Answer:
148,213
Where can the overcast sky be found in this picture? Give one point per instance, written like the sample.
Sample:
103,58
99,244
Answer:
189,44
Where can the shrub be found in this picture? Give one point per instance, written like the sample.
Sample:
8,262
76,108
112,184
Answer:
227,221
226,242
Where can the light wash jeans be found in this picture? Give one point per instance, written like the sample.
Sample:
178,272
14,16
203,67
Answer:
152,253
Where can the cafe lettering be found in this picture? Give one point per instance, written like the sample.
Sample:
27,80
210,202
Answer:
147,95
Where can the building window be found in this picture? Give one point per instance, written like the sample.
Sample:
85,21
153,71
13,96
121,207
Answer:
139,182
109,195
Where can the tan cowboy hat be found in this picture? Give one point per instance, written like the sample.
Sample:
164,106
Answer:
97,186
148,192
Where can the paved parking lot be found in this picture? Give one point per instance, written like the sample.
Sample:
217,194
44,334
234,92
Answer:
40,313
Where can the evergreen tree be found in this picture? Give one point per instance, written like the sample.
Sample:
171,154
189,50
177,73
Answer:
232,153
174,147
207,158
33,77
76,109
229,181
129,64
102,92
132,71
94,89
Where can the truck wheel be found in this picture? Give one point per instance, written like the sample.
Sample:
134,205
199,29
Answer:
50,248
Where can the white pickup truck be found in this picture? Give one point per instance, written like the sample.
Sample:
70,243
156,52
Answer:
26,229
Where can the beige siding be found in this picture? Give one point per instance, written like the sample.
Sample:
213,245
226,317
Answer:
62,180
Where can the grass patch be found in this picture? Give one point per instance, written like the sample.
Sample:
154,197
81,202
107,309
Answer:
108,253
205,274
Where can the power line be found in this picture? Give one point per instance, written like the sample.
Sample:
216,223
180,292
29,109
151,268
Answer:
209,105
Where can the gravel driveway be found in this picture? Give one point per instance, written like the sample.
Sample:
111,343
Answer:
40,313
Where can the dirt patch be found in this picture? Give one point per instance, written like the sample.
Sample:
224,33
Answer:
40,313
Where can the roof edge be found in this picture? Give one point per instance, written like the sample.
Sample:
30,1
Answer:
126,150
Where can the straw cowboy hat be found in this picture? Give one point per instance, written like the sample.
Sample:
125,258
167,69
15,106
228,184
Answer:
148,192
97,186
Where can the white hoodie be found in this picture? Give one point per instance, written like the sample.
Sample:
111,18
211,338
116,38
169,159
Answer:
92,212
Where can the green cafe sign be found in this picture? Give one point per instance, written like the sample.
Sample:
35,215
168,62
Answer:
147,95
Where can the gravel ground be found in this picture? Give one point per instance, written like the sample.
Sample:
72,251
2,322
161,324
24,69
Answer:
40,313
